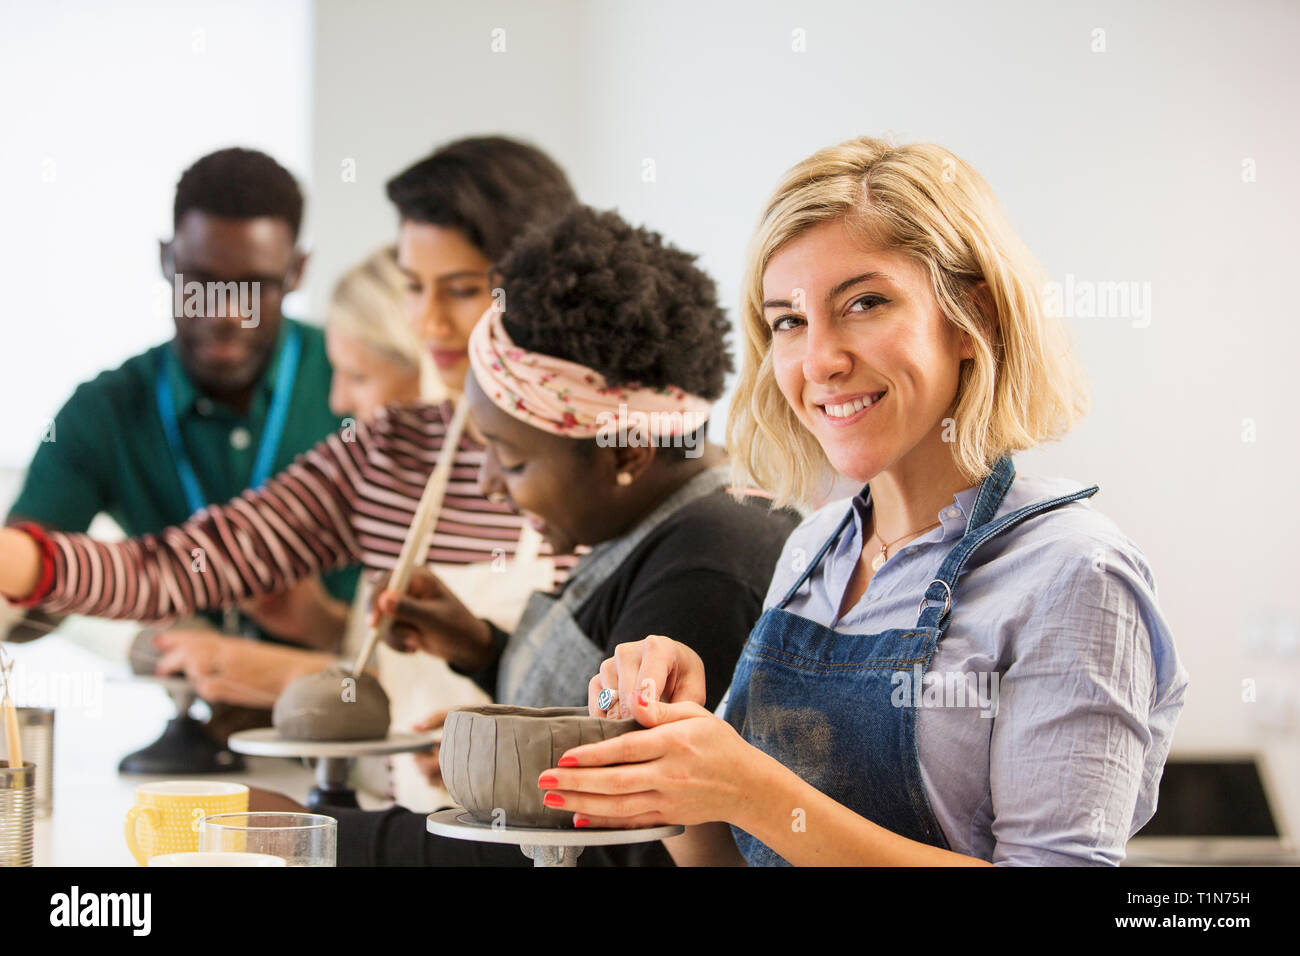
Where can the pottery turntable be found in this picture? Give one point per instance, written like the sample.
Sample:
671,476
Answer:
545,846
334,758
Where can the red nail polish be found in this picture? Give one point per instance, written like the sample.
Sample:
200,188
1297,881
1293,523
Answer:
581,822
640,699
568,762
547,782
553,800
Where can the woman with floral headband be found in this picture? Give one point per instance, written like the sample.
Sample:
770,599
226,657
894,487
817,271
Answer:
591,391
961,665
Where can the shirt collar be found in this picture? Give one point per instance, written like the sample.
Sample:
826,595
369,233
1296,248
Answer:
186,394
956,517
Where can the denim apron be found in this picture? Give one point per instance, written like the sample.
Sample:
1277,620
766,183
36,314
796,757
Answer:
821,702
549,661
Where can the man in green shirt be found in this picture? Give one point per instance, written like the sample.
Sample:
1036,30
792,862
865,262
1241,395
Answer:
232,399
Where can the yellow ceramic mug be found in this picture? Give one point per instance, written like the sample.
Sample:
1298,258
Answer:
165,818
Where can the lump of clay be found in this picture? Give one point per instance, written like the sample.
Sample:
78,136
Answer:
491,757
332,705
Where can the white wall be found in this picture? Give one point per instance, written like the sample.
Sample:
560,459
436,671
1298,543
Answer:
104,106
396,79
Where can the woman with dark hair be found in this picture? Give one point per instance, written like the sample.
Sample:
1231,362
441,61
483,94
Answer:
460,209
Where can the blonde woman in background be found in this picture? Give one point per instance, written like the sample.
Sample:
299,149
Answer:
376,356
962,665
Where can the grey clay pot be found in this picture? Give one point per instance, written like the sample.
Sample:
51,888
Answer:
491,757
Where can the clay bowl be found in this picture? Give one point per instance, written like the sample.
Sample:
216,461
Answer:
491,757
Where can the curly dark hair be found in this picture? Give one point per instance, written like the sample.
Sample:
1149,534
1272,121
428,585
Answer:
593,289
487,187
239,183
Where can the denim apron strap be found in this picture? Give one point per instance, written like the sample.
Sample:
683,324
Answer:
936,604
992,492
817,558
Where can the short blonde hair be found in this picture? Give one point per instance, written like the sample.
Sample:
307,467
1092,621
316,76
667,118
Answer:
1022,387
369,303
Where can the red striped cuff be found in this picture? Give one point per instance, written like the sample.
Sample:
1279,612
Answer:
45,583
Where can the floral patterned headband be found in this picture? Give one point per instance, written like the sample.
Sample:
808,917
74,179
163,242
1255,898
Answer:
565,398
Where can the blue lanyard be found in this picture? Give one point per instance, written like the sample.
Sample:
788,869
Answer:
272,429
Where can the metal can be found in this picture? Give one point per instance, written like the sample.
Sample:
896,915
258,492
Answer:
36,731
17,814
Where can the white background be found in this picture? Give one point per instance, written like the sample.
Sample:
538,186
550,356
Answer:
104,106
1122,165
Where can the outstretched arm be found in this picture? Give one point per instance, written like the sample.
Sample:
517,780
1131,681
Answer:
299,523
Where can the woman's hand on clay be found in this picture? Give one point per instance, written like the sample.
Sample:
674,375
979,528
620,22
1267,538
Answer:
671,670
429,617
233,670
688,767
427,761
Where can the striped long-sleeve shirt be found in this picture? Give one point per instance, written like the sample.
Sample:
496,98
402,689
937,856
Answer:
349,499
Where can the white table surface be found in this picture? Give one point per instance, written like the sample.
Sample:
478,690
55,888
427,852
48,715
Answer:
100,716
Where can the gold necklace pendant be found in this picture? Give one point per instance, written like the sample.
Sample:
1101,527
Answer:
879,560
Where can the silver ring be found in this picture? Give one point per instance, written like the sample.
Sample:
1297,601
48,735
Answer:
947,598
605,699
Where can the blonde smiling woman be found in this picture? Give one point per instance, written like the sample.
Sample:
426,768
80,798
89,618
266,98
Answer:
894,335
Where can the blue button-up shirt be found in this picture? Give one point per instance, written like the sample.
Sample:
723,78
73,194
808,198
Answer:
1064,768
